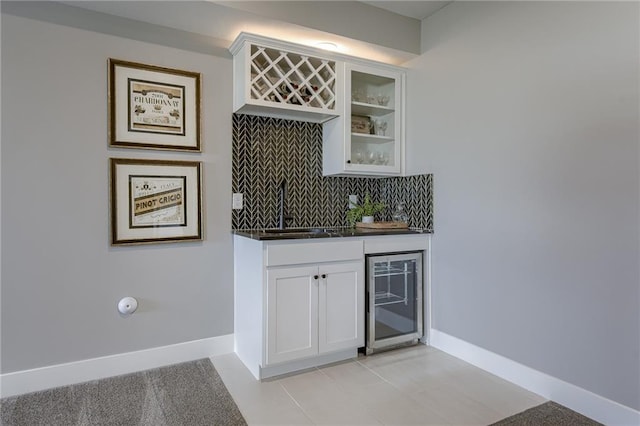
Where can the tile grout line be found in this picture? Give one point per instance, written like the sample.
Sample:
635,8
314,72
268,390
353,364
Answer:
341,387
357,362
376,374
297,404
401,390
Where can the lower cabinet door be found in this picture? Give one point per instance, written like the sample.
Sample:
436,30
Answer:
341,306
292,314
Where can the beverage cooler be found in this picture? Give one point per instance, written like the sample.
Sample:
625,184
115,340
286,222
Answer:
394,300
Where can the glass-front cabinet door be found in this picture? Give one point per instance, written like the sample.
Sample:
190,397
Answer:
374,113
368,139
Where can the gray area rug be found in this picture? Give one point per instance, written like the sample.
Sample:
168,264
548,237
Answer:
547,414
191,393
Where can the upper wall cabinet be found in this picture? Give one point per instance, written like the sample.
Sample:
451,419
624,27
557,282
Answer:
359,102
277,79
368,139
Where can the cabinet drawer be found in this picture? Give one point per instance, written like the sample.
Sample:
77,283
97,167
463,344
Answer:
300,253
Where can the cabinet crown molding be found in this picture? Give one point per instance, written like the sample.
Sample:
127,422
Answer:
245,37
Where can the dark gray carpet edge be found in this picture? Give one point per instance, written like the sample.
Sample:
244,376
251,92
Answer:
190,393
547,414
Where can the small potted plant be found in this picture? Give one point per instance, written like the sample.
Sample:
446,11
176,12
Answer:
364,212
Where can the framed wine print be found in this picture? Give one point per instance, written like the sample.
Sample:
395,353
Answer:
153,107
155,201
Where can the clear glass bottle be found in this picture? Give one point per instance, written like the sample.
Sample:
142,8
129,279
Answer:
399,214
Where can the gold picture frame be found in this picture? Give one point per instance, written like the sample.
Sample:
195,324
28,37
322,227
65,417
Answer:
155,201
153,107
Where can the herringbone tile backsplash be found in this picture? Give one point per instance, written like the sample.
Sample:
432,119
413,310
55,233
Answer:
268,150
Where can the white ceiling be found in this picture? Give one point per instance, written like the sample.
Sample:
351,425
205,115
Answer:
411,9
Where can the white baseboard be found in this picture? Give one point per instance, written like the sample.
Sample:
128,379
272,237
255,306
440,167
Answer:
37,379
580,400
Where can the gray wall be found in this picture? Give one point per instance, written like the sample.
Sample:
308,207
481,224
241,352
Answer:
61,280
527,115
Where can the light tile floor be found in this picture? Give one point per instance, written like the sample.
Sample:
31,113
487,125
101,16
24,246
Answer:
418,385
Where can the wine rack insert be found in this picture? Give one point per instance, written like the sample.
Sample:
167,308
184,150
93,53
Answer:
290,78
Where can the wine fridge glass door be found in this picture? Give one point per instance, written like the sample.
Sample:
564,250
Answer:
394,283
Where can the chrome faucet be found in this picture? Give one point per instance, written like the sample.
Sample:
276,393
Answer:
282,218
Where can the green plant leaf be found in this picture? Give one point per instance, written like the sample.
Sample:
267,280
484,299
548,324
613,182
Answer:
367,208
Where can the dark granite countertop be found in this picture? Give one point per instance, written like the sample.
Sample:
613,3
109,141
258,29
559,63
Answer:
322,232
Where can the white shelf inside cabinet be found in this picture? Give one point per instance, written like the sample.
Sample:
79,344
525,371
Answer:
361,108
364,137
